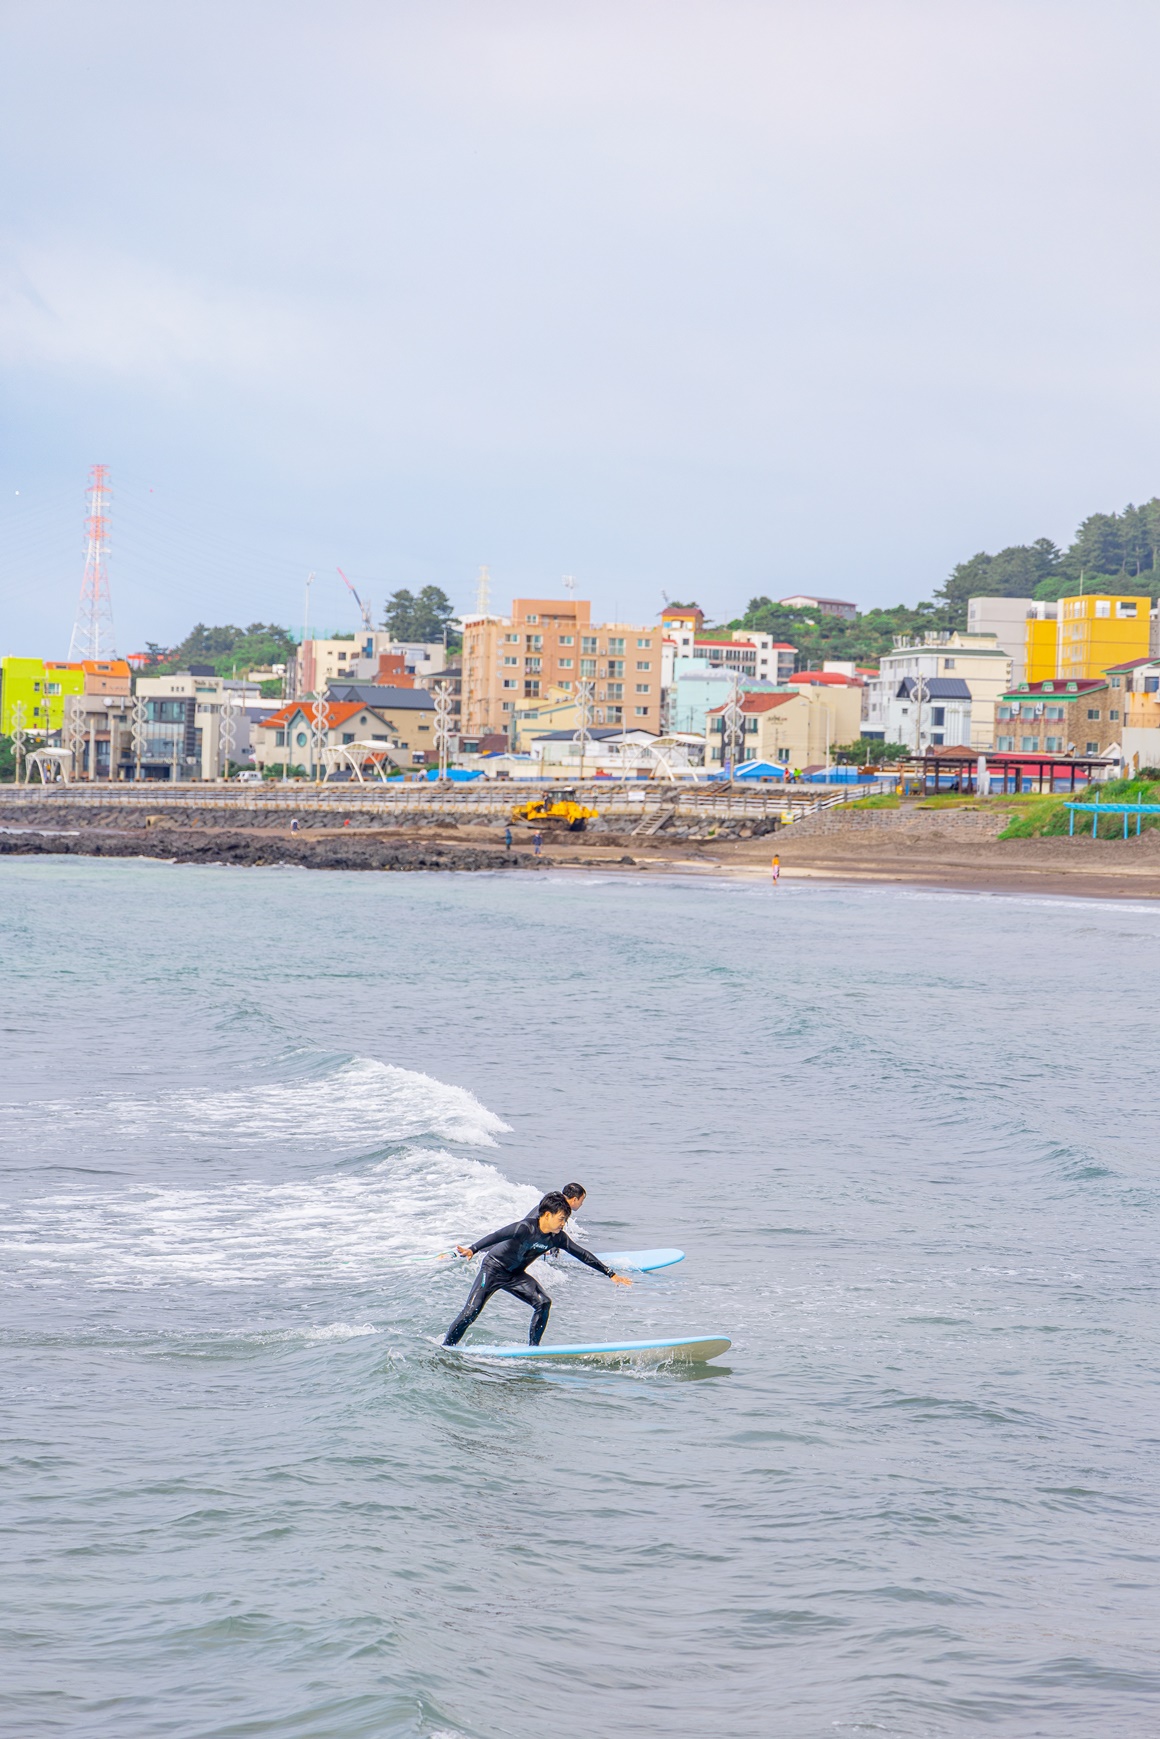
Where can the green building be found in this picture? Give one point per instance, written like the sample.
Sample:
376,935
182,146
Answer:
42,687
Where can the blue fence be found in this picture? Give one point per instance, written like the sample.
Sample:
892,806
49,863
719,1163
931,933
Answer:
1095,810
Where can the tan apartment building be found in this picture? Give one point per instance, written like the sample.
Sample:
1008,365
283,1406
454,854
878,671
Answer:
790,727
1081,716
551,644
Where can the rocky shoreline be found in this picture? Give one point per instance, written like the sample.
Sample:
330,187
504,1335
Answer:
241,849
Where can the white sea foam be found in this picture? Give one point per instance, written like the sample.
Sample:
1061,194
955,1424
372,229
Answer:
337,1225
359,1104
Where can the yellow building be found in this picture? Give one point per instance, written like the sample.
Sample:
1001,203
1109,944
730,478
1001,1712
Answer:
1091,632
40,686
1041,644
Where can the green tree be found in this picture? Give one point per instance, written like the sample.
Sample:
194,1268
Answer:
7,762
228,648
1016,572
425,617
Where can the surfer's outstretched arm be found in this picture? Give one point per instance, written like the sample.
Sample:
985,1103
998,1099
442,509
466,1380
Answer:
591,1261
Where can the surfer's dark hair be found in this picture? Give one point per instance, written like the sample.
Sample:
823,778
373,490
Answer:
553,1203
574,1189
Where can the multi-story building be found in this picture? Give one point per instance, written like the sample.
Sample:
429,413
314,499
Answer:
1098,630
843,695
38,688
552,643
1040,645
936,715
1007,620
1081,716
839,607
402,720
795,727
757,655
975,659
315,664
1135,690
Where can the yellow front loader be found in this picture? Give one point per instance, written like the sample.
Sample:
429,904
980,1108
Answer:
557,808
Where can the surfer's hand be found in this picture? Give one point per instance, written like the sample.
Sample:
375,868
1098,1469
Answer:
465,1251
621,1280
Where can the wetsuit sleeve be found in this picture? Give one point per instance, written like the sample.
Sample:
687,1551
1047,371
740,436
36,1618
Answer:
500,1237
585,1256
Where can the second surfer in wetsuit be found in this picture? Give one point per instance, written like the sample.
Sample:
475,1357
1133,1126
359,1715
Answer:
513,1249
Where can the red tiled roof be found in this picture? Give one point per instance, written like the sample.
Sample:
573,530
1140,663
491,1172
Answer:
337,713
758,703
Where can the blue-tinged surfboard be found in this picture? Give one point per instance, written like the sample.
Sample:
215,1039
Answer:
644,1261
691,1348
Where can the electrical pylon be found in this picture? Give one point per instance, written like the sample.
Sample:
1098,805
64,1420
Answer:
92,635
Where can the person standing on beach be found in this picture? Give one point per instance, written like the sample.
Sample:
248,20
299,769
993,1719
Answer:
775,869
507,838
537,843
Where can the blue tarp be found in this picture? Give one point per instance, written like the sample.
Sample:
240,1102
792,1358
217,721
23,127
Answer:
460,774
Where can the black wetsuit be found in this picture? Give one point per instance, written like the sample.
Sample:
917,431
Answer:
512,1250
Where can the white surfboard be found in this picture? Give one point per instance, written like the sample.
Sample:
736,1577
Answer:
644,1261
691,1348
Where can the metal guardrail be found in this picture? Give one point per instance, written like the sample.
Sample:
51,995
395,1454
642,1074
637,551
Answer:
494,801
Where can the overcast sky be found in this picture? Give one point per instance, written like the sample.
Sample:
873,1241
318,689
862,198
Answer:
707,299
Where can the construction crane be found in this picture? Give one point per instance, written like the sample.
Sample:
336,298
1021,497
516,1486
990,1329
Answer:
364,608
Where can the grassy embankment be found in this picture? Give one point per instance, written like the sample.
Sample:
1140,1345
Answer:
1048,817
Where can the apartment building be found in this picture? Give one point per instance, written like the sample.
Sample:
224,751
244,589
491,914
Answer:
1082,716
797,727
356,658
1100,630
975,659
552,644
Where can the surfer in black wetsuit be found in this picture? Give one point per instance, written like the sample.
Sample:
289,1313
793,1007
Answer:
513,1249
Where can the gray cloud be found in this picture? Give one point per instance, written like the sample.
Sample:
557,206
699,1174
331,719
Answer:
714,298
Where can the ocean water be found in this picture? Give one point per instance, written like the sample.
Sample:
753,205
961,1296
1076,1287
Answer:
908,1140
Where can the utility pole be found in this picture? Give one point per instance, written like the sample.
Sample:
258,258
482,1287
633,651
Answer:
300,661
92,634
319,712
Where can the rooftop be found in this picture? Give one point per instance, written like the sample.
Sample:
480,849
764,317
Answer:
370,694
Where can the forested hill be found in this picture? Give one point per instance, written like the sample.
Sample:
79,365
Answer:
1117,552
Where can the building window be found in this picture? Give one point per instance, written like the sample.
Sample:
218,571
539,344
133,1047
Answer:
531,618
1123,609
615,714
642,688
948,663
511,660
1115,682
567,640
1093,712
644,664
532,663
1053,712
531,688
1103,607
535,642
565,684
510,682
348,736
512,639
565,664
938,715
641,712
588,667
1113,714
508,706
1003,712
616,643
1091,749
1029,745
1053,745
300,739
588,643
1003,742
616,691
616,667
936,738
641,644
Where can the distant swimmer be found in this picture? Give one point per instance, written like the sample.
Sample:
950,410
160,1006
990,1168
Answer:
514,1248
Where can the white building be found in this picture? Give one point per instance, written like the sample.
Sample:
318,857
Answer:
184,735
317,663
975,659
1006,619
824,606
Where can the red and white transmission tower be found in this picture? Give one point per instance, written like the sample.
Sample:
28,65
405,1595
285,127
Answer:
92,635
